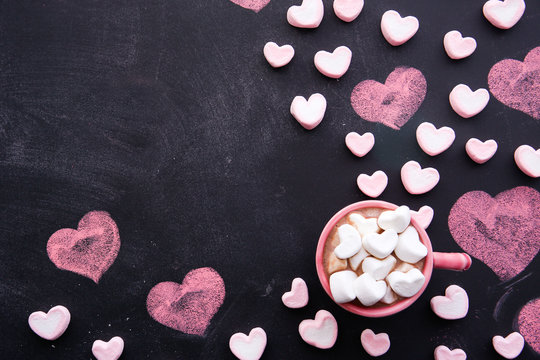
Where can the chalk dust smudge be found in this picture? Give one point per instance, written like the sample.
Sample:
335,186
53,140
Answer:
529,324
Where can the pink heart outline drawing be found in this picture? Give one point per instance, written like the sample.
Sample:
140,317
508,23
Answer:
254,5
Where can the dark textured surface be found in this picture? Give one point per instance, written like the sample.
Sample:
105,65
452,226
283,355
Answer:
166,115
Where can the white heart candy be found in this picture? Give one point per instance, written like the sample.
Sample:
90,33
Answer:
341,286
409,247
389,297
458,47
364,225
308,15
350,242
397,219
335,64
348,10
309,113
467,103
278,56
381,245
368,290
110,350
51,325
504,14
356,260
378,268
397,30
406,284
248,347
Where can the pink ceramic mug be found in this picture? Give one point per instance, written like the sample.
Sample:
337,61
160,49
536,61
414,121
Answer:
449,261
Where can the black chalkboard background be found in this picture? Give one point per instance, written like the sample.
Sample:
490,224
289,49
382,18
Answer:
166,115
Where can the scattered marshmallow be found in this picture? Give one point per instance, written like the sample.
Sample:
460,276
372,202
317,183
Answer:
356,260
365,226
278,56
423,216
350,241
444,353
110,350
381,245
504,14
454,305
309,113
341,286
417,180
335,64
456,46
368,290
248,347
308,15
396,220
467,103
509,347
377,268
52,325
335,264
397,30
320,332
298,297
406,284
479,151
389,296
434,141
348,10
360,145
372,185
528,160
375,344
409,247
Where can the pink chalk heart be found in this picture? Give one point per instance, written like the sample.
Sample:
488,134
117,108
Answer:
529,324
348,10
392,103
321,332
187,307
360,145
432,140
444,353
110,350
335,64
514,83
397,30
453,305
375,344
88,251
423,216
255,5
52,325
504,14
308,15
278,56
528,160
248,347
309,113
417,180
458,47
479,151
508,225
373,185
467,103
509,347
298,297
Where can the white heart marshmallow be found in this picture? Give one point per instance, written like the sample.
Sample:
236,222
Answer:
368,290
378,268
381,245
409,247
397,219
406,284
350,242
341,286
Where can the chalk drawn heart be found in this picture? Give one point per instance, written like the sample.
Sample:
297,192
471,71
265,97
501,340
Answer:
255,5
508,225
515,83
88,251
529,324
392,103
187,307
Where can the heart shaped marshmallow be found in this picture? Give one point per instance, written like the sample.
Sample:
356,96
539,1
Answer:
458,47
389,296
432,140
406,284
365,226
335,64
348,10
444,353
356,260
454,305
528,160
360,145
321,332
467,103
417,180
298,297
396,220
110,350
397,30
309,113
52,325
278,56
372,185
479,151
248,347
381,245
409,247
509,347
504,14
375,344
378,269
341,286
350,241
368,290
423,216
308,15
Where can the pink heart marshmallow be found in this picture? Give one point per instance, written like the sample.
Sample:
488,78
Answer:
432,140
309,113
320,332
397,30
504,14
479,151
335,64
110,350
375,344
444,353
509,347
456,46
248,347
360,145
423,216
373,185
454,305
417,180
52,325
278,56
348,10
308,15
467,103
298,297
528,160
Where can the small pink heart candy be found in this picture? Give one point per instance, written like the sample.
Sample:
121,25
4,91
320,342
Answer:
110,350
321,332
335,64
528,160
298,297
52,325
423,216
309,113
278,56
444,353
348,10
504,14
467,103
397,30
417,180
432,140
454,305
479,151
373,185
250,347
458,47
375,344
360,145
308,15
509,347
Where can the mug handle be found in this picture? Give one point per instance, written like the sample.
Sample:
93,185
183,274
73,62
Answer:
451,261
